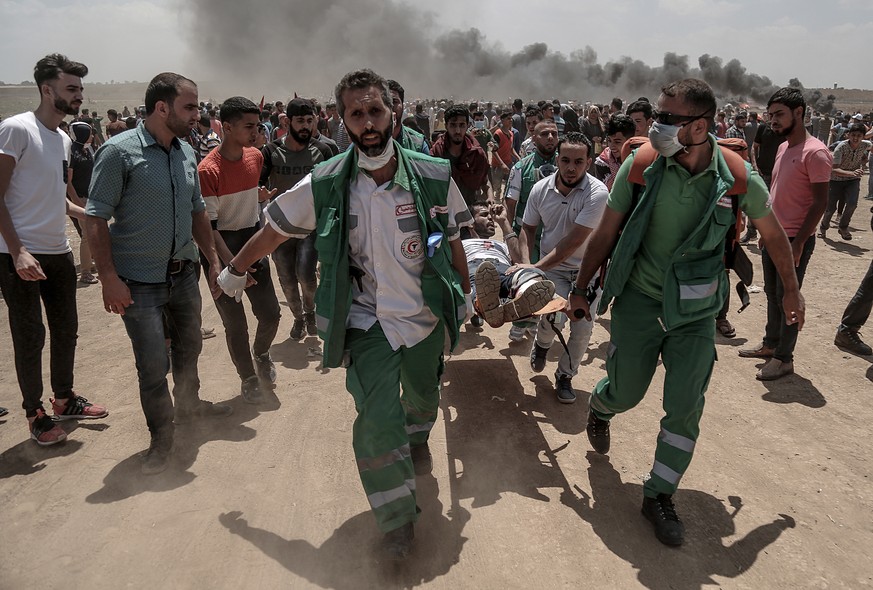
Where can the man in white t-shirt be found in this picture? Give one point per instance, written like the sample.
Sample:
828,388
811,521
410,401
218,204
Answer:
568,205
36,263
501,298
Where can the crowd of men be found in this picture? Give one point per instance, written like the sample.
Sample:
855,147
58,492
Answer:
396,204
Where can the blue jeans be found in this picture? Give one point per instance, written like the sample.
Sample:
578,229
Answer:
177,300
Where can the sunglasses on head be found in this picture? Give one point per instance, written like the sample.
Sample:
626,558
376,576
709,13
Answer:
671,119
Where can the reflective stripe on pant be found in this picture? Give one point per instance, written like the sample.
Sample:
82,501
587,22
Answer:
580,330
387,423
688,353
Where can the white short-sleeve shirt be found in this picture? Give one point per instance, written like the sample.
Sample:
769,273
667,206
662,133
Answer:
36,197
582,206
386,244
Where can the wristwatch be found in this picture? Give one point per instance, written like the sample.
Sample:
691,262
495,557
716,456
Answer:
577,290
234,271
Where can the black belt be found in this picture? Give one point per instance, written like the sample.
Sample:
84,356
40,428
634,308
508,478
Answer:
177,266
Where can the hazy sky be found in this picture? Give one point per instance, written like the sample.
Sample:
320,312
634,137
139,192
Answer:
821,43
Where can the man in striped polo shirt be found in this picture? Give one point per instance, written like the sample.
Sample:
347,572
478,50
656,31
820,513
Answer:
229,183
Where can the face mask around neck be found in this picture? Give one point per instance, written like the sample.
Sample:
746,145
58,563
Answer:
375,162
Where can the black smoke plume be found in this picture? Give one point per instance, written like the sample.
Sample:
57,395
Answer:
277,47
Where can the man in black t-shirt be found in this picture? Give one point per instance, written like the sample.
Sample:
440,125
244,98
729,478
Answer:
286,162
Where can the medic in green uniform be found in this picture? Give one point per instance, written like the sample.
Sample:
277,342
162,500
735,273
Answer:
667,280
522,177
393,282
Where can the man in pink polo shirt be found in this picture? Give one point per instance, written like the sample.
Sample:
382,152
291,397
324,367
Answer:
799,193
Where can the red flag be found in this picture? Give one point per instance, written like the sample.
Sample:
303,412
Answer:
295,95
262,102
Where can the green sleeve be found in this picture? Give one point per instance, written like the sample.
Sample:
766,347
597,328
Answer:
756,202
621,195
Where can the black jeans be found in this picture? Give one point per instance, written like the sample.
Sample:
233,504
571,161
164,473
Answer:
858,311
265,306
177,304
295,261
845,191
58,294
778,334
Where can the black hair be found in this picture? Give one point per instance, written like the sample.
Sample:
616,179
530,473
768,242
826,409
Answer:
265,115
300,107
419,108
394,86
479,113
576,138
640,106
617,103
330,105
164,87
534,112
504,116
359,80
52,66
619,123
233,109
456,111
856,128
518,103
205,120
112,113
130,122
790,97
695,93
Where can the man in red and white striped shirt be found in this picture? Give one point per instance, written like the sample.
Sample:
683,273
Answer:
229,179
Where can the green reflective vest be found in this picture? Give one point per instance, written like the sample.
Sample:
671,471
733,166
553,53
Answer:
695,282
413,140
528,167
427,179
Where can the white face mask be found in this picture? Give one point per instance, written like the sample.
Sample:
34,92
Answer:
479,124
665,139
375,162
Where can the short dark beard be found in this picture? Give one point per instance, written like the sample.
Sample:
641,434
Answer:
299,135
64,107
545,156
787,131
376,150
567,184
176,124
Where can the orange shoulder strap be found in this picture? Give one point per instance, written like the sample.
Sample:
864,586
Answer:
737,166
646,155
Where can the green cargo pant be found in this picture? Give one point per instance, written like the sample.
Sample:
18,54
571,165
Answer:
688,353
387,424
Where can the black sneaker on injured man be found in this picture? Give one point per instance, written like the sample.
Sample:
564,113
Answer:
530,297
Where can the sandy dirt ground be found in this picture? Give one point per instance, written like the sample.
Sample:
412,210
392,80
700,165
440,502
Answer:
779,494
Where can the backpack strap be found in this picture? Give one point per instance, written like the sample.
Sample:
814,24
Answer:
737,166
644,156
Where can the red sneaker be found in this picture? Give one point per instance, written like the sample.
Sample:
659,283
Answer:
77,408
44,430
